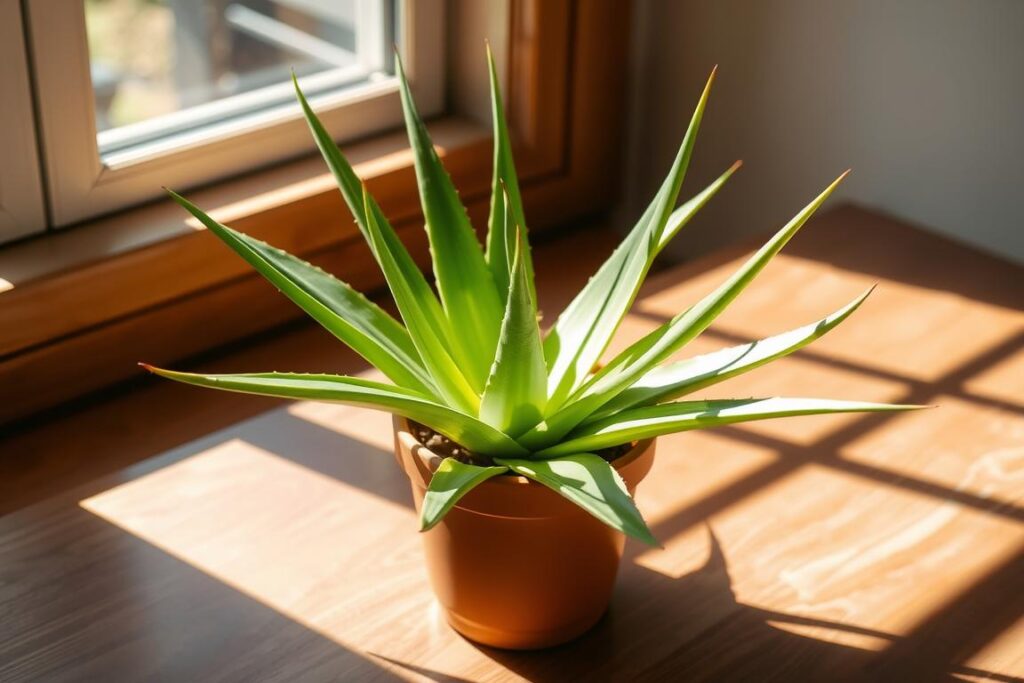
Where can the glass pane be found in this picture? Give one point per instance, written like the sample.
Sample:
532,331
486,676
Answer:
163,67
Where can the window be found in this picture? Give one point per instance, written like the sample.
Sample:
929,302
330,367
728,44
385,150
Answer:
131,95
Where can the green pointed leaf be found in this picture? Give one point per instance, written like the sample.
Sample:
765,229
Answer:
516,391
592,483
444,371
650,421
352,190
464,281
649,351
501,241
677,379
583,330
501,231
461,428
344,312
451,481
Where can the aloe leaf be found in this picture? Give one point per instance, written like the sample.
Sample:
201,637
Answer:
461,428
643,355
516,391
463,278
351,188
344,312
583,330
501,243
500,231
445,372
451,481
644,423
677,379
592,483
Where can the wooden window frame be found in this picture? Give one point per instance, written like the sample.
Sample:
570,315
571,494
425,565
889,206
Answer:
79,308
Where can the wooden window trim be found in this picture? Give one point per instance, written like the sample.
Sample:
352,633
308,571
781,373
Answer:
82,306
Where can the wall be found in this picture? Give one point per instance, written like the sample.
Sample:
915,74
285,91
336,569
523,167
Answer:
923,98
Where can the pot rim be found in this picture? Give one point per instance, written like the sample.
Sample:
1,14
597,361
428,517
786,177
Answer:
431,460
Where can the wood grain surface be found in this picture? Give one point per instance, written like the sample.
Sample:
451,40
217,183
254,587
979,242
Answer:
283,547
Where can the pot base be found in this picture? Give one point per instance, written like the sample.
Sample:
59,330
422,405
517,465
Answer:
519,640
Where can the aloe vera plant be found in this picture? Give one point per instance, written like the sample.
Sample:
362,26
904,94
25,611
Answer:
471,363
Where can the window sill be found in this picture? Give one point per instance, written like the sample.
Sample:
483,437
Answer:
109,267
130,280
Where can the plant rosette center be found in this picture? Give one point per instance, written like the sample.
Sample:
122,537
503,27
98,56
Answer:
443,447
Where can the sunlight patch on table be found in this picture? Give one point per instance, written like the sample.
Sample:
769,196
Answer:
1003,380
956,446
688,469
294,539
828,544
897,330
691,466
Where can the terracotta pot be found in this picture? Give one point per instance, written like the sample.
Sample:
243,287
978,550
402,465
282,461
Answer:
513,564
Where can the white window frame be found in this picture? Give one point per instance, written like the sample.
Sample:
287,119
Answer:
21,190
83,185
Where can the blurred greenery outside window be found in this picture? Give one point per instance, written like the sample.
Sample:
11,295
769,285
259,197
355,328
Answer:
161,66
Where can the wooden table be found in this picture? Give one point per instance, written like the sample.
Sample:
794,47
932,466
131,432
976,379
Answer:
283,547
